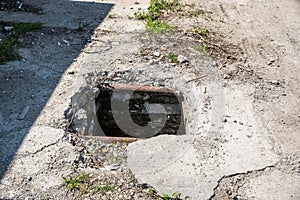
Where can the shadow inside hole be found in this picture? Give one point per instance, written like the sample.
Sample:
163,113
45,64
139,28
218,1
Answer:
159,111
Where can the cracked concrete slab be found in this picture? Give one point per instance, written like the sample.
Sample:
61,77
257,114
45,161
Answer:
272,185
234,126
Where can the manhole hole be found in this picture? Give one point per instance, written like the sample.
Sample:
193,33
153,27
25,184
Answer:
139,111
128,111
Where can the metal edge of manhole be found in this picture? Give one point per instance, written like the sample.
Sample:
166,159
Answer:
126,113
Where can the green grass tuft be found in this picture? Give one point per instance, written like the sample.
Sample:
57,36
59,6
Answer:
202,31
203,49
102,188
73,183
8,46
7,50
153,14
21,28
158,26
173,57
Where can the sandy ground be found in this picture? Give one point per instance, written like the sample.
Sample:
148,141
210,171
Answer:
253,154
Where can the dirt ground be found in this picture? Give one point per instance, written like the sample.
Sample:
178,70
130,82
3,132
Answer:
250,122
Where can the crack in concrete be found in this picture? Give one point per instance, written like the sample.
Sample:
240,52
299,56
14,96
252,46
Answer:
238,174
46,146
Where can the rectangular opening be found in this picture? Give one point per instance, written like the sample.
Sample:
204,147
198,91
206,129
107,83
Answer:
138,111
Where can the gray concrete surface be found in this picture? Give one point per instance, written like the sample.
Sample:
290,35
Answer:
242,134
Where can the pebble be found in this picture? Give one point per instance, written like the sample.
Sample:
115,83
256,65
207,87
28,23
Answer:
151,62
23,113
8,28
271,61
156,54
215,64
71,72
112,167
182,59
275,82
227,76
29,178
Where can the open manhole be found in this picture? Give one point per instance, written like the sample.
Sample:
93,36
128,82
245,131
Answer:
133,111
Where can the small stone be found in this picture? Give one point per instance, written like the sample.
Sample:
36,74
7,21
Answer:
105,73
271,61
227,76
112,167
8,28
182,59
66,42
29,178
156,54
275,82
166,65
151,62
215,64
116,78
23,113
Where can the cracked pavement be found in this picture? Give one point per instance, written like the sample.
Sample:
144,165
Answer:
242,138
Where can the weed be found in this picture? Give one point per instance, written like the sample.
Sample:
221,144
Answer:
112,16
103,188
152,16
113,144
158,26
115,160
84,189
196,13
84,184
173,57
202,31
126,140
141,15
203,49
151,192
92,150
73,183
79,27
156,6
7,50
21,28
174,196
7,46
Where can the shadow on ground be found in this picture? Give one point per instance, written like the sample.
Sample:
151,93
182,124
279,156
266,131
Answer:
46,54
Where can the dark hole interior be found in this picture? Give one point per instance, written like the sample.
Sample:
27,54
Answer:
163,109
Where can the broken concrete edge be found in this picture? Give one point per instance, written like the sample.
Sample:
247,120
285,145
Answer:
82,112
110,139
153,161
139,88
239,174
